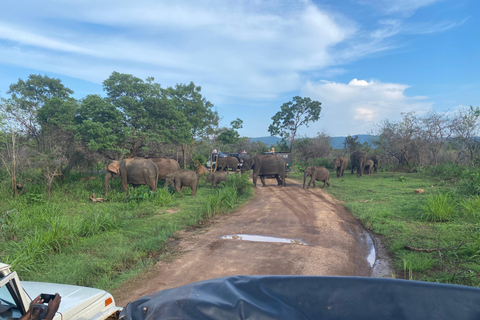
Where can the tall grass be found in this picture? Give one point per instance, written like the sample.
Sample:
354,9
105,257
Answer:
439,207
69,239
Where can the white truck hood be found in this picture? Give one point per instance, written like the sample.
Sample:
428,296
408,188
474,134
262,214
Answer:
77,302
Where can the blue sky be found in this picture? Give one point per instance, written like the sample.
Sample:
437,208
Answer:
365,60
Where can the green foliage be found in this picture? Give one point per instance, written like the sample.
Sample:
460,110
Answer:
231,135
439,207
470,182
200,158
323,162
71,240
402,178
293,115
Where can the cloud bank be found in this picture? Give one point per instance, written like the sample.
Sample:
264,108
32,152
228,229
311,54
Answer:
356,107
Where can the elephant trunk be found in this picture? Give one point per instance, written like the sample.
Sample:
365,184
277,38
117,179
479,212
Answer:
304,178
108,176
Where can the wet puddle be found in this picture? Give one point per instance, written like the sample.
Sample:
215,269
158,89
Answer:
371,258
257,238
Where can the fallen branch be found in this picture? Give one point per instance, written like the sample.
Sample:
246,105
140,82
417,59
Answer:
92,198
420,249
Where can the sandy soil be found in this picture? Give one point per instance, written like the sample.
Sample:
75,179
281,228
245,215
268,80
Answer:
335,243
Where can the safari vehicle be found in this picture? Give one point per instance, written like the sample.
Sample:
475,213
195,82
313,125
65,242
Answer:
77,302
211,162
287,156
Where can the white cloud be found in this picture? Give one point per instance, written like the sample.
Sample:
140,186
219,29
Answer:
256,49
355,108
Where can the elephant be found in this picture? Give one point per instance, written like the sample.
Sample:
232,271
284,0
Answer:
369,167
216,178
358,159
135,171
266,165
340,164
182,178
227,162
317,174
376,161
165,166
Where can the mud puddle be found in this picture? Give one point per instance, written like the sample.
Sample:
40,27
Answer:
257,238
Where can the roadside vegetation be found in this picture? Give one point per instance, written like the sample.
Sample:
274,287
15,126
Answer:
432,234
70,239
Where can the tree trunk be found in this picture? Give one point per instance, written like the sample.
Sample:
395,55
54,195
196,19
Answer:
184,155
14,166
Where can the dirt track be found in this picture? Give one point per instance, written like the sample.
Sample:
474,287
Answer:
336,243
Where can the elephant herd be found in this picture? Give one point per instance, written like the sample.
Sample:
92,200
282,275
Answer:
138,171
358,161
143,171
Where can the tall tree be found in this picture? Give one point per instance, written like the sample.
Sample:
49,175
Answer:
27,97
148,113
231,135
293,115
466,129
196,109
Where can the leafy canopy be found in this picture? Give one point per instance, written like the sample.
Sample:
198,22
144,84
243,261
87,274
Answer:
293,115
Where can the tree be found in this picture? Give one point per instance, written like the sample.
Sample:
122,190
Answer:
231,135
400,140
293,115
351,144
437,129
27,97
466,129
147,112
196,110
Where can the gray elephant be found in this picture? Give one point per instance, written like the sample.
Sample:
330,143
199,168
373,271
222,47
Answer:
182,178
227,162
135,171
340,164
316,174
376,161
369,167
216,178
358,159
266,165
165,166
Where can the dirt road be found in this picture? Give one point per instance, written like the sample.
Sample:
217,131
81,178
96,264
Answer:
321,238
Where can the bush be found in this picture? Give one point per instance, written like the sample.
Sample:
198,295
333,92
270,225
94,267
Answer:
439,207
470,181
323,162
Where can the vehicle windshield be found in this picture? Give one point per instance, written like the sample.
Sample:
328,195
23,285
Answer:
8,307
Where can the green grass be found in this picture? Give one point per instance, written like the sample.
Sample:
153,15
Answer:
444,218
69,239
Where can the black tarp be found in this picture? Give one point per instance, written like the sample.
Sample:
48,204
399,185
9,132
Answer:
308,297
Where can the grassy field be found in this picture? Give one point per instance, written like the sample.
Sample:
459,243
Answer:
432,236
70,239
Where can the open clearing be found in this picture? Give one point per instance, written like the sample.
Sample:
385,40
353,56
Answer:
313,233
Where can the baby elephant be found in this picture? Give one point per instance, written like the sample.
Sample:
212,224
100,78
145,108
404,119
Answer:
369,167
317,174
216,177
182,178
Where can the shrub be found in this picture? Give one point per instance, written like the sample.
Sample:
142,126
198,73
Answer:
439,207
323,162
470,181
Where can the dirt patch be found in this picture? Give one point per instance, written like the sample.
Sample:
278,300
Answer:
337,243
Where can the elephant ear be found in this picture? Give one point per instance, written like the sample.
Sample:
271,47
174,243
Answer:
114,167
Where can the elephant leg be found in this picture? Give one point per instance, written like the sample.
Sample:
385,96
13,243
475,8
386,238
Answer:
255,176
279,180
194,190
262,178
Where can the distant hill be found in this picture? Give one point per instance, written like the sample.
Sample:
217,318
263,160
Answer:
267,140
336,142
